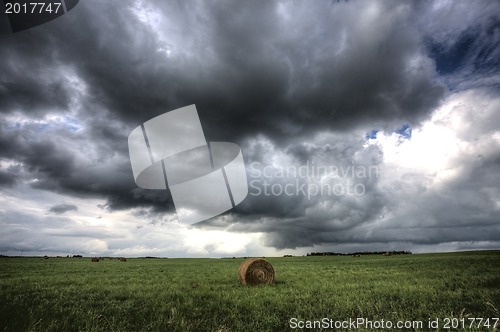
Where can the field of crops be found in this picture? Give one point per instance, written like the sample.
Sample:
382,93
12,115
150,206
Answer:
63,294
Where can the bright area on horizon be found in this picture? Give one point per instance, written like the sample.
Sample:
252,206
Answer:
364,126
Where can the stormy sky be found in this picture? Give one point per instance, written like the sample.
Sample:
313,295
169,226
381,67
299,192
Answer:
364,125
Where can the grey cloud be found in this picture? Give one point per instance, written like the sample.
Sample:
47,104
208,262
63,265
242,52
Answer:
238,71
6,179
405,206
10,175
242,70
308,215
63,208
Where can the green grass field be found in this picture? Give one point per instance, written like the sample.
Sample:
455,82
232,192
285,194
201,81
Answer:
67,294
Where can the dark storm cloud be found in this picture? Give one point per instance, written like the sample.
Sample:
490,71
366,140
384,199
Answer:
302,194
9,175
43,67
42,158
268,68
6,179
318,68
92,162
247,67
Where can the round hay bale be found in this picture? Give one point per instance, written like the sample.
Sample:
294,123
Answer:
256,271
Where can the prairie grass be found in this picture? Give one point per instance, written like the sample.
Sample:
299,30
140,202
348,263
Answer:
69,294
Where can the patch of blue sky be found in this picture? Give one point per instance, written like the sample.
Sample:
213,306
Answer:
470,60
404,131
372,134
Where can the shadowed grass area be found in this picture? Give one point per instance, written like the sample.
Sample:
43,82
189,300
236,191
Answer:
67,294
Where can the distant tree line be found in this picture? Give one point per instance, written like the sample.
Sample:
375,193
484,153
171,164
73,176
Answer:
359,253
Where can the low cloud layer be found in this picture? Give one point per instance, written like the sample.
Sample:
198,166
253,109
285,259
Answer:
406,90
63,208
